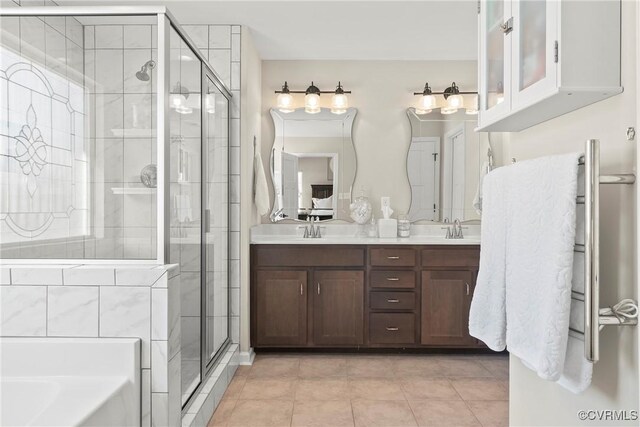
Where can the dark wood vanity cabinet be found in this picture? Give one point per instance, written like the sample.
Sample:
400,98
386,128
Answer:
362,296
281,306
446,298
337,307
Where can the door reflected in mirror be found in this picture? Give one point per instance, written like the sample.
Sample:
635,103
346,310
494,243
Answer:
313,165
443,166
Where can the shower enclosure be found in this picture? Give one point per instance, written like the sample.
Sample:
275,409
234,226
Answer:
114,136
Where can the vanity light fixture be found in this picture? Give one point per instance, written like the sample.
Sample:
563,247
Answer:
312,99
453,100
339,100
427,101
178,99
285,100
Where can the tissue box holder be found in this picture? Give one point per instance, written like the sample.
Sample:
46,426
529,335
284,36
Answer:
387,228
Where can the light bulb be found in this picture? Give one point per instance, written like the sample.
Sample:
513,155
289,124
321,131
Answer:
312,103
427,102
471,106
455,101
179,103
285,102
339,103
210,103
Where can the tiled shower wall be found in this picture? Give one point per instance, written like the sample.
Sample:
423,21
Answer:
221,45
122,139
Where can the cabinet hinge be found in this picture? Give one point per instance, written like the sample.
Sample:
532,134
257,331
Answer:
478,7
555,52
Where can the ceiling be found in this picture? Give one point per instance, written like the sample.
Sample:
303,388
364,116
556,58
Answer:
339,30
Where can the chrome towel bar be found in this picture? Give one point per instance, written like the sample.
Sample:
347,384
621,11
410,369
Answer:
592,317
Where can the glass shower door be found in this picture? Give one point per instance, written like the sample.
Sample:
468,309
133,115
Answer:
216,213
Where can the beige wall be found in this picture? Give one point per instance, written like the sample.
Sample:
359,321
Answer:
615,380
382,91
250,99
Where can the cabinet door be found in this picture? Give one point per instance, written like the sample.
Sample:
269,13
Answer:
281,308
495,61
534,69
338,305
446,299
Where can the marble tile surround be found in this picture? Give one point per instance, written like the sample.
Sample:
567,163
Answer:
140,301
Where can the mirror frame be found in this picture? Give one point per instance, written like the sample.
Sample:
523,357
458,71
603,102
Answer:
412,113
273,112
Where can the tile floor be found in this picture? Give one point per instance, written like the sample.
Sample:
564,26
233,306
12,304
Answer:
369,390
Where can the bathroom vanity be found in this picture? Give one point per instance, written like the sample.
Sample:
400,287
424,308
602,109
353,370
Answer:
329,292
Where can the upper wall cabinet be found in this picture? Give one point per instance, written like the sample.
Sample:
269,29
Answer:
541,59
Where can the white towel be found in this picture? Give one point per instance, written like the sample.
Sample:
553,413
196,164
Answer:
540,242
260,188
487,318
477,200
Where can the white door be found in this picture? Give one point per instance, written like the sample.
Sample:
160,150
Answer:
289,185
453,175
423,166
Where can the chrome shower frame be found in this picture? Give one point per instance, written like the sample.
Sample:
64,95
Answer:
165,21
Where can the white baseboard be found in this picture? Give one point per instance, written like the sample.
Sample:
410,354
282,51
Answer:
247,357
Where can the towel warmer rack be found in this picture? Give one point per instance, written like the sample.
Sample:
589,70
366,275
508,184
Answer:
592,317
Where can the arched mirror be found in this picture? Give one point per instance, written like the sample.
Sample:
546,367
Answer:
313,164
443,167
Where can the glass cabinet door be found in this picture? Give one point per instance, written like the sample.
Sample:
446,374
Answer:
494,59
534,68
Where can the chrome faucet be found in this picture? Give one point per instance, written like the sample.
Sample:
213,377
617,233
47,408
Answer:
457,229
312,231
454,231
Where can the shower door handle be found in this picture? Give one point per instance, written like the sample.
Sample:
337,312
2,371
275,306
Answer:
207,218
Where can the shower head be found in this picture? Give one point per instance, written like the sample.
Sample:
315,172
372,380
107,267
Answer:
143,74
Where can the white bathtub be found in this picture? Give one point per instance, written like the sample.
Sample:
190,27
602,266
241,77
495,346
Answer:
69,382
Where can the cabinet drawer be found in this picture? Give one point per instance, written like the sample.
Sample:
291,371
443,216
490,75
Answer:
392,328
392,300
451,257
387,257
308,256
393,279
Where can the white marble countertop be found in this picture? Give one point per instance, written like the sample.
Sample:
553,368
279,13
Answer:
345,234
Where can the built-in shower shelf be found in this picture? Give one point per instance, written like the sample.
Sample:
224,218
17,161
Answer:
133,190
134,133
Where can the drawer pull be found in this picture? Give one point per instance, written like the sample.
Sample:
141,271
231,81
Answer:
392,328
393,279
393,257
393,300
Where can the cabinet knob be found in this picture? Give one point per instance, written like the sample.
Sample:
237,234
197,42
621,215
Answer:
393,300
392,328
